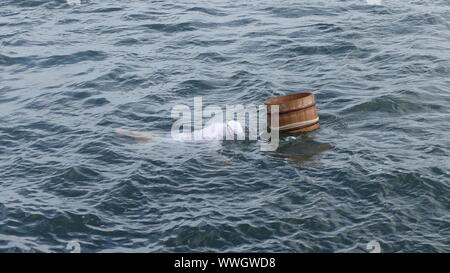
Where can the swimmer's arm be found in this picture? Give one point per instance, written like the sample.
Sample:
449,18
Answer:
142,137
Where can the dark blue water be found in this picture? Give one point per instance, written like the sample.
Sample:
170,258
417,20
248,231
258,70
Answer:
377,169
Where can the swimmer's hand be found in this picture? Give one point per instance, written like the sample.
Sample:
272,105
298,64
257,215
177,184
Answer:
141,137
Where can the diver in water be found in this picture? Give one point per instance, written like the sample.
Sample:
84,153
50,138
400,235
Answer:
215,131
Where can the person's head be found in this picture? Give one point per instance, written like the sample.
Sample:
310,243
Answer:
235,130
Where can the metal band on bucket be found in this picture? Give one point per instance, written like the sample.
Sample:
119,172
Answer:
295,109
297,125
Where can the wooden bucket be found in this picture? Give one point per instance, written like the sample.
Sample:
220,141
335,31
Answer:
297,112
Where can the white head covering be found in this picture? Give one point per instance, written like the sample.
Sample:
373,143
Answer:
234,128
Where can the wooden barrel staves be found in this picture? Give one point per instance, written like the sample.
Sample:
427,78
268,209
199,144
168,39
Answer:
297,112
